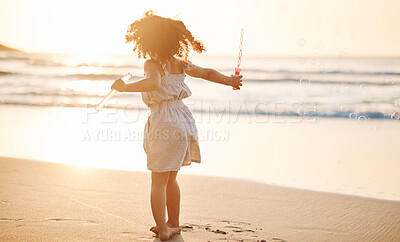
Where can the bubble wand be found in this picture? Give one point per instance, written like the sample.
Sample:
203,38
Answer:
237,69
111,93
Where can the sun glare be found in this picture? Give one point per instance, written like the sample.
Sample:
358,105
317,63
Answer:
88,59
272,27
86,70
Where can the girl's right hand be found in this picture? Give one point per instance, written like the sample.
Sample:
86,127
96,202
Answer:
235,81
118,85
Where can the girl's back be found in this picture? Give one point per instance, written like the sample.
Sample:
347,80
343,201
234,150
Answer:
173,66
172,86
171,117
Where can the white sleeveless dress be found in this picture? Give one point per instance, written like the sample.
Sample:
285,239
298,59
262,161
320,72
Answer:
170,135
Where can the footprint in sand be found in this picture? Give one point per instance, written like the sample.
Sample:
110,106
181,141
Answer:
235,230
70,220
11,219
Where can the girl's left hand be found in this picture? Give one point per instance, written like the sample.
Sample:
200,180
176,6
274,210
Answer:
236,81
118,85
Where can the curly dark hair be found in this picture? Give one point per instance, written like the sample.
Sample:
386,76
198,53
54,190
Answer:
161,38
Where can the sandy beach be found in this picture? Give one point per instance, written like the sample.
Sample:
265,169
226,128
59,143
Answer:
55,202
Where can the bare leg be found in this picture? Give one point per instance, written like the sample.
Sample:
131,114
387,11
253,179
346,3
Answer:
173,200
159,182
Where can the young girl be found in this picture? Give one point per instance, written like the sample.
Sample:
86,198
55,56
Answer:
170,138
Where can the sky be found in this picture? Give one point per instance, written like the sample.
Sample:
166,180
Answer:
272,27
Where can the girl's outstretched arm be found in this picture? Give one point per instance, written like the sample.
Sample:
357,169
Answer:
215,76
150,83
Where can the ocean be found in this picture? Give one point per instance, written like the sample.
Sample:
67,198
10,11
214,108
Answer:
324,124
351,88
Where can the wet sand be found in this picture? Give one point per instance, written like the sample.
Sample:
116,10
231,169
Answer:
330,155
56,202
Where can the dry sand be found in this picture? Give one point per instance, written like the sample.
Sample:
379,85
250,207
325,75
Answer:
55,202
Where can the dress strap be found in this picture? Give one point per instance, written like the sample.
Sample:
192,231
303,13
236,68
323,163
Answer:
164,68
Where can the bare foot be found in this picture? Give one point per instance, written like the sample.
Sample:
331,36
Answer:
170,225
169,233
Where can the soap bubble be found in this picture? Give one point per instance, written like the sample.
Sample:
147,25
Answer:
315,109
336,30
301,42
353,116
305,82
389,81
318,45
344,108
311,111
395,116
313,61
284,6
362,118
301,61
